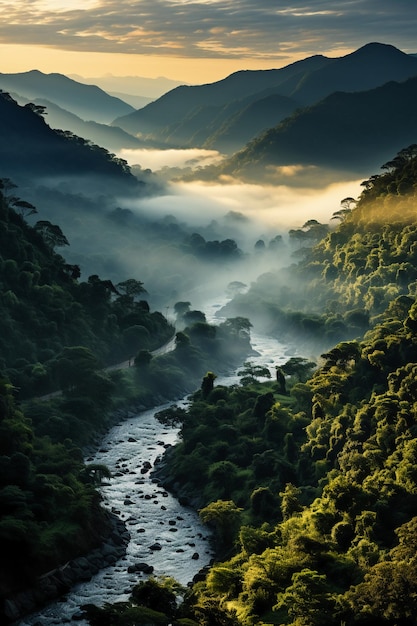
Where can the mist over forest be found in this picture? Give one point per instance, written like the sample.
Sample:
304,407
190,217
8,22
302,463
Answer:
274,198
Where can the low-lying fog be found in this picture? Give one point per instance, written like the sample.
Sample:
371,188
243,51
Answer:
305,194
178,243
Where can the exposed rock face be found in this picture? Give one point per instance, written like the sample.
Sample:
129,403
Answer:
54,584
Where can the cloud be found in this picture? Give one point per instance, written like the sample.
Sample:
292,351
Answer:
214,28
158,159
255,209
266,206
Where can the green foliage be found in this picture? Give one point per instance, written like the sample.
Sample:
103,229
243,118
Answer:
342,453
312,495
46,310
224,517
251,372
153,601
49,510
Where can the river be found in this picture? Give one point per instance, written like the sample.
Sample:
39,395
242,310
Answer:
152,515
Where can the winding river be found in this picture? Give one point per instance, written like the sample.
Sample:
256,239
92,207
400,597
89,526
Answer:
164,534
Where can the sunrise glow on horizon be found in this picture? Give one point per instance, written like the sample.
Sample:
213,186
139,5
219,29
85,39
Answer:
22,58
193,42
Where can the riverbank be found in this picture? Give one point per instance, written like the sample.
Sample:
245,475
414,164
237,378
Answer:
164,535
56,583
171,526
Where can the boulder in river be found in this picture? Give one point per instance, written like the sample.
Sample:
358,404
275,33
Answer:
140,567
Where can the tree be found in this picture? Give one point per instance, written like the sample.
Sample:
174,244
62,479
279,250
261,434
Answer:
173,416
224,516
282,389
306,599
23,208
95,473
223,474
207,384
388,593
264,503
193,317
290,504
237,327
299,367
74,366
157,595
346,209
79,375
51,234
38,109
251,372
130,288
263,404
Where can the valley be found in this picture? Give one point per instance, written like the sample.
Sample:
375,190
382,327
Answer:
268,222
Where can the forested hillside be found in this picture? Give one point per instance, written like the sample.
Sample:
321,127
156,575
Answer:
58,334
87,101
341,132
227,114
30,149
310,483
365,264
45,308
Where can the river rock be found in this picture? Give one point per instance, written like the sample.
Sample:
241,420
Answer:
140,567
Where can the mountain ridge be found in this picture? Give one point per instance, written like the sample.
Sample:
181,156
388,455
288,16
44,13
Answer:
86,101
183,99
172,118
341,131
30,149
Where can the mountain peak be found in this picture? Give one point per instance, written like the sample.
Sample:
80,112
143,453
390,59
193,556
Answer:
375,48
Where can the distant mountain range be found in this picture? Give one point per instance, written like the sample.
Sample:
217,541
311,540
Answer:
345,131
86,101
112,138
348,113
177,115
226,114
135,90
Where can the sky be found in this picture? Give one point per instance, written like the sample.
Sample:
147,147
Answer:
192,41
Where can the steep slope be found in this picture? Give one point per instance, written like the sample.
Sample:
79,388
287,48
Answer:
310,483
370,66
343,131
229,128
87,101
30,148
56,332
175,117
250,121
182,101
45,308
110,137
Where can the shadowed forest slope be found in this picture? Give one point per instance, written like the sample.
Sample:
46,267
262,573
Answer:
310,483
